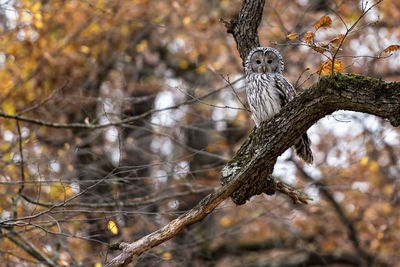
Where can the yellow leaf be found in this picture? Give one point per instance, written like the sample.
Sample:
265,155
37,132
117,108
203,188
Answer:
141,46
7,157
158,19
373,166
201,69
60,191
308,37
84,49
8,107
186,20
4,147
338,66
125,30
292,36
35,8
60,152
324,22
38,22
364,161
391,48
112,227
98,264
388,189
326,67
183,64
225,221
166,255
94,28
38,16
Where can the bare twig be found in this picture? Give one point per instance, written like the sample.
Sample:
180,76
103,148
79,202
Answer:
105,125
348,30
47,99
27,246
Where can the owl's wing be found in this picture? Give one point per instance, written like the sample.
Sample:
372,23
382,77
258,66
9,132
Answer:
285,89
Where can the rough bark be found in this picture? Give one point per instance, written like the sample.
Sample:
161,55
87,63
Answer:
246,174
244,27
331,93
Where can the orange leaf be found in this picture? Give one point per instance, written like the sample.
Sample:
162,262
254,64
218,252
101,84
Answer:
167,255
326,67
292,36
392,48
324,22
338,66
308,37
318,49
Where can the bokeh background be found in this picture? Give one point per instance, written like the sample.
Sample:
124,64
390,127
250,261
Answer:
172,74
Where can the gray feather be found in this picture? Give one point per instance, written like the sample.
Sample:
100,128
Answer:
267,92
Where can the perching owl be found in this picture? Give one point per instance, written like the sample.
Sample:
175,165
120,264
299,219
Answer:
268,90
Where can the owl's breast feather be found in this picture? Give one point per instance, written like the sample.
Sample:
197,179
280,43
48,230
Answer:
262,96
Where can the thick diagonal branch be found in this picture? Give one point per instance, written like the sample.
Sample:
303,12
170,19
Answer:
246,174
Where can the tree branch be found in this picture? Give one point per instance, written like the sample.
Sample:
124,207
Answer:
249,172
244,27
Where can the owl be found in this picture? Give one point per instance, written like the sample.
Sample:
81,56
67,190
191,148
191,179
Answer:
268,91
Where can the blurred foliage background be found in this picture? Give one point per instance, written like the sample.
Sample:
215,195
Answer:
167,80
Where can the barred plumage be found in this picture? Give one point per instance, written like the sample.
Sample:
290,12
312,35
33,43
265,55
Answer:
268,90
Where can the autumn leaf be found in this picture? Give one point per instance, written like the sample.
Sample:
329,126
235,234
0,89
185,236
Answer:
112,227
336,41
364,161
225,221
8,107
318,49
391,48
373,166
324,22
308,37
338,66
167,255
292,36
326,67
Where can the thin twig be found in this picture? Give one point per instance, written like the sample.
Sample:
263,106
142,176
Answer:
47,99
105,125
27,246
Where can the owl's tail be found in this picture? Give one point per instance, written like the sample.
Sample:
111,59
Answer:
303,150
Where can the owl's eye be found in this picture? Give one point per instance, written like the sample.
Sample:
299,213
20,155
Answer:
269,61
258,61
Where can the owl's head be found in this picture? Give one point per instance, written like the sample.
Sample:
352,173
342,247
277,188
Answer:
264,60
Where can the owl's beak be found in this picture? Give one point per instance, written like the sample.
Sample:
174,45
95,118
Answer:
264,68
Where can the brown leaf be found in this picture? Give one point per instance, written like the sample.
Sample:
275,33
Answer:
391,48
324,22
292,36
336,41
318,49
326,46
308,37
